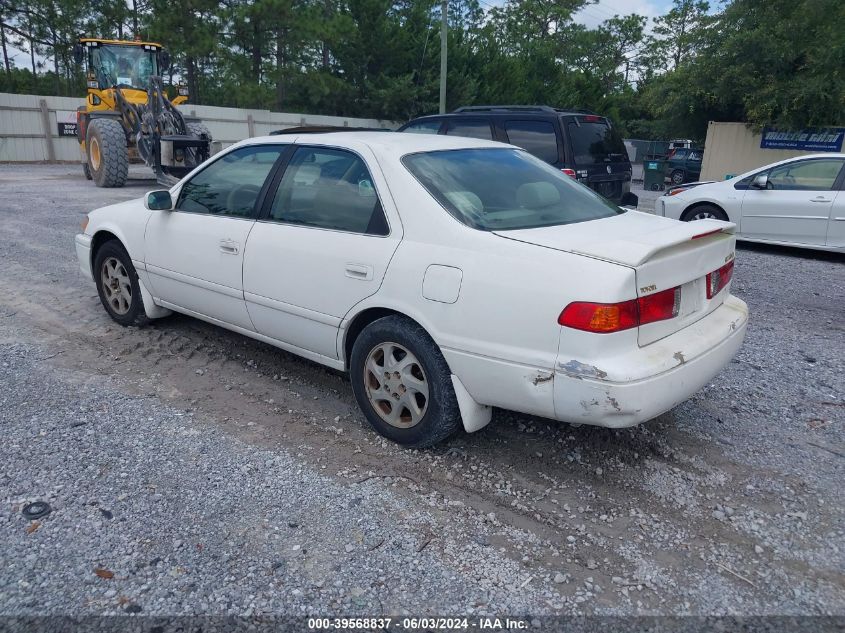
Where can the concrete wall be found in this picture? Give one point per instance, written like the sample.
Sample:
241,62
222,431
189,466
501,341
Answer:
25,118
732,148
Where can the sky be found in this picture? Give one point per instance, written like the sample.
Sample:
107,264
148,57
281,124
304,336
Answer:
594,14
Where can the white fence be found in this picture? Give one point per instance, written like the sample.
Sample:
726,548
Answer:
30,125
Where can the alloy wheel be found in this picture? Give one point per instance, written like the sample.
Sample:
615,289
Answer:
396,385
117,287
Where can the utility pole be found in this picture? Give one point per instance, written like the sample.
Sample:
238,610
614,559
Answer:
444,26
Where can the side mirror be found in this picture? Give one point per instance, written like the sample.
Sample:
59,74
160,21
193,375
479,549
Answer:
78,53
158,200
163,61
761,181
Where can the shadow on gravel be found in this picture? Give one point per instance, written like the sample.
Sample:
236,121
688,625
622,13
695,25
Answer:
792,251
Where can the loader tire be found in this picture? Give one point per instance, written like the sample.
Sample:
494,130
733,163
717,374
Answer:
87,171
108,159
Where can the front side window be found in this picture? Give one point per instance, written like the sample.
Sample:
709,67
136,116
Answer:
329,189
423,127
810,175
535,137
230,185
505,189
471,128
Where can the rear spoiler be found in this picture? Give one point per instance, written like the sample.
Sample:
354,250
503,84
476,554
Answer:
634,252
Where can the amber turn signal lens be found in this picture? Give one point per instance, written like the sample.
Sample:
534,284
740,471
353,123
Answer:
85,224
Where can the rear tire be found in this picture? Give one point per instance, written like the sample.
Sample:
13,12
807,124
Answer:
108,159
118,285
704,212
398,373
87,171
677,177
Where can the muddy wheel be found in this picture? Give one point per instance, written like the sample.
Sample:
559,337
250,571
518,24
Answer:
403,384
117,285
108,159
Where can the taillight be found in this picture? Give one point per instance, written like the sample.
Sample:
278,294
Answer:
569,172
604,318
660,306
718,279
599,317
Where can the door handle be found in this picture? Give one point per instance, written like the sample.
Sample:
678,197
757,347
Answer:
820,199
229,247
363,272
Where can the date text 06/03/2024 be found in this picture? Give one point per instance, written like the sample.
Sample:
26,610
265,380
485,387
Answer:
421,623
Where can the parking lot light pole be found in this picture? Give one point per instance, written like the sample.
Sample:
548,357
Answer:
443,29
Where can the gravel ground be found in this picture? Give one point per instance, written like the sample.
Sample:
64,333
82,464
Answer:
193,471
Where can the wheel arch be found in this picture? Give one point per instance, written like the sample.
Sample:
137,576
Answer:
703,203
361,320
101,237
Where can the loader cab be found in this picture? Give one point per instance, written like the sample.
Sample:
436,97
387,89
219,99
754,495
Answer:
127,65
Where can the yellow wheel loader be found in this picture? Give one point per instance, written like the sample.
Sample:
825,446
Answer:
127,116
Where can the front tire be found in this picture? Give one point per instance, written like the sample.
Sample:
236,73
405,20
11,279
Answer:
118,286
108,158
403,384
704,212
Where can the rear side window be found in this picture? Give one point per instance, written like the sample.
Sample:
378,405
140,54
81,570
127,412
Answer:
505,189
535,137
595,142
472,128
423,127
230,185
329,189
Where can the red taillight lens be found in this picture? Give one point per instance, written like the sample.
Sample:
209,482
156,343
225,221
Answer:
569,172
660,306
603,318
718,279
599,317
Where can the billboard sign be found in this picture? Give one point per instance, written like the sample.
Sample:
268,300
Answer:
808,140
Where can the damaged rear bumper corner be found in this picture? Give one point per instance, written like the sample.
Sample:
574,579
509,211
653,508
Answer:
585,394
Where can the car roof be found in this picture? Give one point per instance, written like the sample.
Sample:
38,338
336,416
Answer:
397,143
509,112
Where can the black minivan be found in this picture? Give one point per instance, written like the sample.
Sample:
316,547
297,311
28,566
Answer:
582,144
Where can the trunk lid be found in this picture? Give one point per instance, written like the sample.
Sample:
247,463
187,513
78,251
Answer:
664,253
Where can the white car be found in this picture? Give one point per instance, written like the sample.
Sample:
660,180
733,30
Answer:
446,275
798,202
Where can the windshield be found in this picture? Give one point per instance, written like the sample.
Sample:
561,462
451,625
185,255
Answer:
505,189
595,142
123,66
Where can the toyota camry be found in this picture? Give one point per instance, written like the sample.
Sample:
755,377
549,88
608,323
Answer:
446,275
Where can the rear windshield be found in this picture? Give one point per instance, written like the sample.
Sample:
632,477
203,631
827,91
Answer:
595,142
505,189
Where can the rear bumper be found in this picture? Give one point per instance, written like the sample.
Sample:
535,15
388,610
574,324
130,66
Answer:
589,394
83,253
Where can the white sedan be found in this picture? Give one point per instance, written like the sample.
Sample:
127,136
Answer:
798,202
446,275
